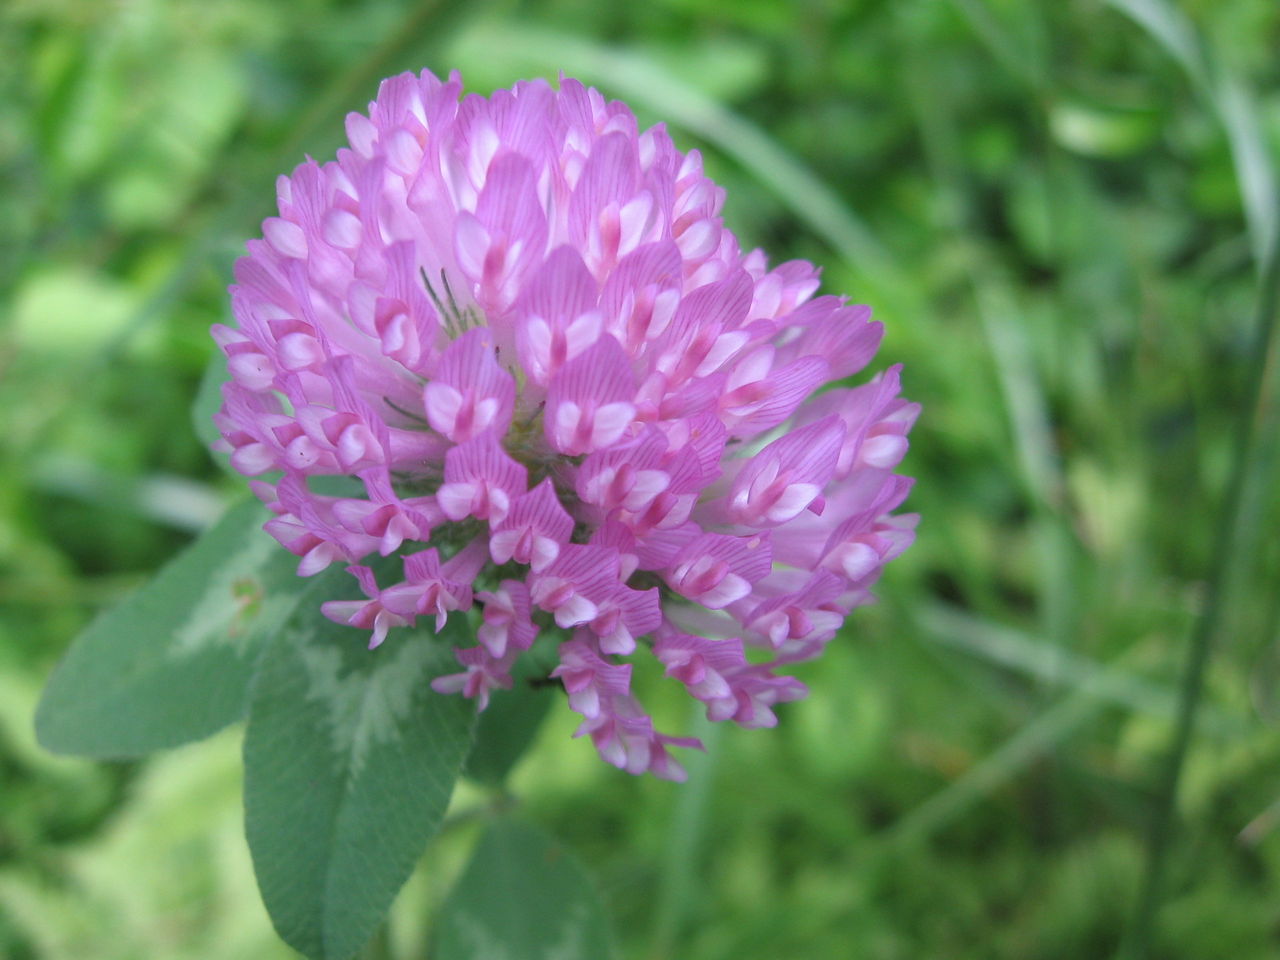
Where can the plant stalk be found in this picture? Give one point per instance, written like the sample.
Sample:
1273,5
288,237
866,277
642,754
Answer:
1258,396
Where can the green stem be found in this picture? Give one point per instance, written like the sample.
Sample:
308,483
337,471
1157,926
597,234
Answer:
1234,518
679,883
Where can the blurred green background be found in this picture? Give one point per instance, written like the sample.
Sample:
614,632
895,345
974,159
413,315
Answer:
1059,209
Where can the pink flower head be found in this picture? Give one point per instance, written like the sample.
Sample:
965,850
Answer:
567,396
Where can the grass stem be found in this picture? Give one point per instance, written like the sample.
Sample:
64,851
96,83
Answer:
1259,393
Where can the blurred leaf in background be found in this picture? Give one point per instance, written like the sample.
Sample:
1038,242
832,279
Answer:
1056,208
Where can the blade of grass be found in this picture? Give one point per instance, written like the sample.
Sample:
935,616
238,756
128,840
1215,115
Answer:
1232,103
1014,650
1242,507
1235,520
1046,731
1024,400
1027,411
1096,687
1173,31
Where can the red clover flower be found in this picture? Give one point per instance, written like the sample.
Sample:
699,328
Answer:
568,397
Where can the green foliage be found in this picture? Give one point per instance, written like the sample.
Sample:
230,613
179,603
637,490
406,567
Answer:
350,759
172,662
523,896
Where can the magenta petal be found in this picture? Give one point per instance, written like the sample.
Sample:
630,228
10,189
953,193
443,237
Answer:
589,401
469,392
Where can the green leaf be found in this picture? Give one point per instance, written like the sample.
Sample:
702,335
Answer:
172,662
350,759
507,727
523,897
